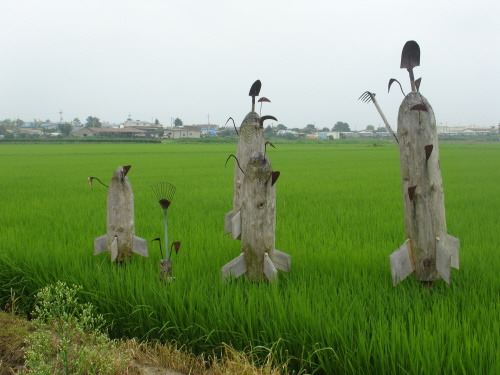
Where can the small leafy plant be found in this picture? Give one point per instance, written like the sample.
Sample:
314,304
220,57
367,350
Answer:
69,336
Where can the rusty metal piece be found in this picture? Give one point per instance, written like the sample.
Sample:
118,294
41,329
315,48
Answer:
267,143
230,118
391,81
419,107
428,151
164,203
417,83
176,245
126,168
89,179
274,177
237,162
410,58
367,97
261,100
264,118
411,191
254,91
164,192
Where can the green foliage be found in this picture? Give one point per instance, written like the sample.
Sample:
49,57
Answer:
65,129
68,337
178,122
336,312
93,122
341,127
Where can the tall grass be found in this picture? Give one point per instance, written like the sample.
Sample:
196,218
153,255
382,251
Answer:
339,214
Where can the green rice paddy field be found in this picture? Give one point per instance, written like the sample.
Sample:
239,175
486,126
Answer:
340,216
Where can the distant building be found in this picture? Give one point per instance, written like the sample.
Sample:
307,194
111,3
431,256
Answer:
109,132
184,132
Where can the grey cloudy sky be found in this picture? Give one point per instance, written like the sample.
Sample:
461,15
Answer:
194,58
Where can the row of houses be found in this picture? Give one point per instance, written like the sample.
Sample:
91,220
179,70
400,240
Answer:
142,129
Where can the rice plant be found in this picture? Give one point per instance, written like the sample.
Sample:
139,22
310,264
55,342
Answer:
339,214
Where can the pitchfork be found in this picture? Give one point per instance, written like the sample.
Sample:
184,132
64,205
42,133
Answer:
367,97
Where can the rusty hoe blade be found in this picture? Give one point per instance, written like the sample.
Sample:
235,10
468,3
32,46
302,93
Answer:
410,58
230,118
419,107
411,191
261,100
237,162
391,81
89,179
176,245
159,242
126,169
264,118
367,97
265,145
254,91
428,151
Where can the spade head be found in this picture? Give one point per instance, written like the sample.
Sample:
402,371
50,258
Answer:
255,89
410,57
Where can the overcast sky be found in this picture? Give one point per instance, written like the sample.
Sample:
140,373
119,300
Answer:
193,59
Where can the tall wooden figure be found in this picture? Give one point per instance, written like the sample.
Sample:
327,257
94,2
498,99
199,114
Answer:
429,250
253,217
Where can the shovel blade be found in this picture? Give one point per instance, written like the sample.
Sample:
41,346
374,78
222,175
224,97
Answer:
410,57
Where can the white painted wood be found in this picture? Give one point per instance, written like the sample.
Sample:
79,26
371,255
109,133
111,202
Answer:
443,261
236,226
269,270
235,268
453,246
401,263
282,261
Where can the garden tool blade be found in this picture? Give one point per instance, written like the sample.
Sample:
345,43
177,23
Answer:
410,58
254,91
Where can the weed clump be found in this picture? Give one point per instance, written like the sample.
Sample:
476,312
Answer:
69,336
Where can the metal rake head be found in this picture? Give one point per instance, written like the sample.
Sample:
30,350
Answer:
367,97
164,192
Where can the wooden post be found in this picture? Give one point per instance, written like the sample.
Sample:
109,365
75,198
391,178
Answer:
251,139
120,239
430,247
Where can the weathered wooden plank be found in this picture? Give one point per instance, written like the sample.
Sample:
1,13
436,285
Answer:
100,244
113,249
140,246
453,246
235,268
443,261
236,226
227,222
281,260
269,270
401,263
